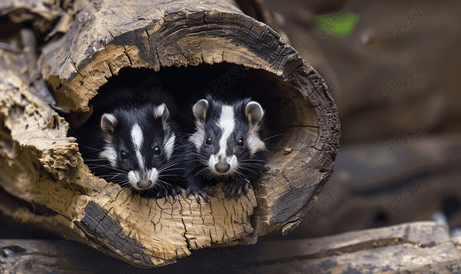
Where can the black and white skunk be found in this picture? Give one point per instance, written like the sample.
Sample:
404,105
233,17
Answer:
139,150
226,146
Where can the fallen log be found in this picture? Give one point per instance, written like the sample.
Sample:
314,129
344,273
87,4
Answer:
388,184
419,247
47,185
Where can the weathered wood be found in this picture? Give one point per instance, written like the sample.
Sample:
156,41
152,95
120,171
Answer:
406,248
46,19
57,256
258,10
377,182
43,172
420,247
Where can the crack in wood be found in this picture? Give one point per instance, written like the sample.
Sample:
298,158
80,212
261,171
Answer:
75,66
113,37
129,59
185,229
110,69
158,56
310,203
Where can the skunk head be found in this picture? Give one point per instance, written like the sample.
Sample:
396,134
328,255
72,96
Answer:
227,134
138,143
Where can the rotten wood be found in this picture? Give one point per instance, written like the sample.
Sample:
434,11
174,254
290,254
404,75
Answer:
47,184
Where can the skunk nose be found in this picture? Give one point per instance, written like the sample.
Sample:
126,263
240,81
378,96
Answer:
221,167
144,184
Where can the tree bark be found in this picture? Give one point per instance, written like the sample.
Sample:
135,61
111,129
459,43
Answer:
43,174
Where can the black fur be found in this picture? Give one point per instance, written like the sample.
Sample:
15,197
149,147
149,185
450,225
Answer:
169,180
250,168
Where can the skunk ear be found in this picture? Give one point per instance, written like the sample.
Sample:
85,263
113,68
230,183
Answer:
200,109
162,111
108,123
254,112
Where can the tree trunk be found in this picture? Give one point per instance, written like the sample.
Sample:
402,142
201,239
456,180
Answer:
46,183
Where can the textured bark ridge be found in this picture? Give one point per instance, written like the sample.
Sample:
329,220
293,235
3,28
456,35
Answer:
46,183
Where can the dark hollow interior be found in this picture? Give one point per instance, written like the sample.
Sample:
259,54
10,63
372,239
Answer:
181,87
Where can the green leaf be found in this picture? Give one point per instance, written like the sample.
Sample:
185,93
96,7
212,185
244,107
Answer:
338,24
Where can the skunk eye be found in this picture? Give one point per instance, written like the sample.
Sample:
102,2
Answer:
208,141
123,155
240,142
157,150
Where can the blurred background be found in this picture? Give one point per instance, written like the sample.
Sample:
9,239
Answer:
395,76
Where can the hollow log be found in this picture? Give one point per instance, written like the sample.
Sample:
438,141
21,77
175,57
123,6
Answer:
46,184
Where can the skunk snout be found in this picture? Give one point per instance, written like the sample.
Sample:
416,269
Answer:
144,184
222,167
143,179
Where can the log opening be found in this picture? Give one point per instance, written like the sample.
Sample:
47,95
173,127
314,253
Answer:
199,43
286,112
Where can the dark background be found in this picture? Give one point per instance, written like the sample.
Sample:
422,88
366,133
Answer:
381,157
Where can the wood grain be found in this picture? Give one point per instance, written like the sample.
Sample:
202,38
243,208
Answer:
420,247
43,169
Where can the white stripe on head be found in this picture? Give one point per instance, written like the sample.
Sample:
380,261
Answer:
109,154
226,123
136,136
133,179
152,175
198,136
140,159
232,161
212,162
169,146
137,139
